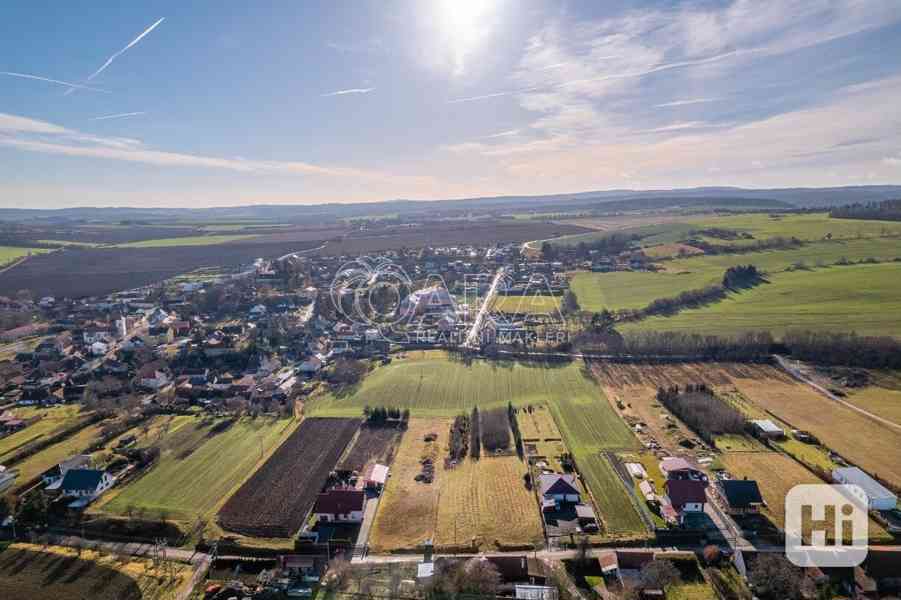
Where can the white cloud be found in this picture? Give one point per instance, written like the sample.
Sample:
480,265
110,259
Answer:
32,135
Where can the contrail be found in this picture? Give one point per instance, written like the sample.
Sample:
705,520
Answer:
118,116
71,86
350,91
110,60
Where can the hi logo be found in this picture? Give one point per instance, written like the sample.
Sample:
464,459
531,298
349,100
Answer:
826,525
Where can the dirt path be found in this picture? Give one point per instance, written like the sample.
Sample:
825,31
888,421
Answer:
797,374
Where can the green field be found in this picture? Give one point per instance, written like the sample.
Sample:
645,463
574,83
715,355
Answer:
814,226
628,289
198,470
527,304
196,240
51,420
861,298
10,253
55,454
633,289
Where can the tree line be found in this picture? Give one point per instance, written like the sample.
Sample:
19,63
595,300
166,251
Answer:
887,210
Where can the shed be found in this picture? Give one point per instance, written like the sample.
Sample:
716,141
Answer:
767,429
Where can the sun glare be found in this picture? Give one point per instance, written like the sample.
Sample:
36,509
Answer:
463,20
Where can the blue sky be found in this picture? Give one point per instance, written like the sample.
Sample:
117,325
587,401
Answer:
340,101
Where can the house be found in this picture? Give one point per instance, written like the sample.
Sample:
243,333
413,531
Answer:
85,483
154,379
609,564
158,334
879,497
742,496
679,468
766,429
340,505
99,348
557,489
181,328
53,476
686,496
311,365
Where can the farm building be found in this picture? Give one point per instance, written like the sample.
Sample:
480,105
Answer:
880,498
345,506
765,428
742,496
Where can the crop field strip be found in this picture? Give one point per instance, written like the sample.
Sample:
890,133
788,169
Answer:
49,457
50,421
198,469
275,500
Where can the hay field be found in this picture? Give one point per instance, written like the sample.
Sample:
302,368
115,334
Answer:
776,474
537,423
479,505
872,445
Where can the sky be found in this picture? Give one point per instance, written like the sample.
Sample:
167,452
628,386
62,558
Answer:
196,104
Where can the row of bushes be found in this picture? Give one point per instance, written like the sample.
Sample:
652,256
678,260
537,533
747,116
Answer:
459,437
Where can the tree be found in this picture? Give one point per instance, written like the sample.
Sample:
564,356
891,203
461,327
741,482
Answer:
772,577
603,321
658,574
33,509
570,303
712,554
348,371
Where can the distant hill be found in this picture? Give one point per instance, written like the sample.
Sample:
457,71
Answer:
610,200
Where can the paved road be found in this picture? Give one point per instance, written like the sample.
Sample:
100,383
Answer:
472,338
800,376
372,505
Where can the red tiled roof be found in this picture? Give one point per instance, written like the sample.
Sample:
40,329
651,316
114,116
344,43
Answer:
339,502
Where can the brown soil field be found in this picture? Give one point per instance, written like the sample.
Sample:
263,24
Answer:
30,571
78,272
276,499
776,474
449,233
672,250
479,505
372,445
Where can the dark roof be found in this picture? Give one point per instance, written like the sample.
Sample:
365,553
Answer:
741,493
683,491
883,563
553,484
339,502
81,479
